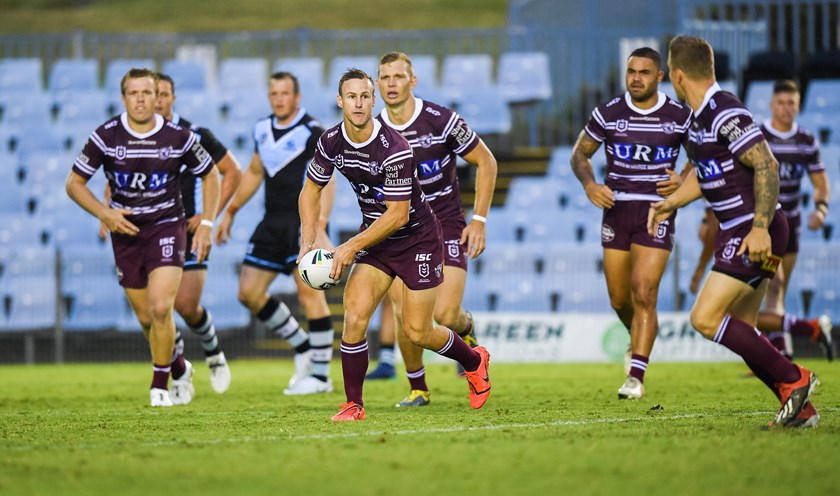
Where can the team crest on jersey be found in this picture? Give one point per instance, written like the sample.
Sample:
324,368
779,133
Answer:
607,233
454,249
375,168
165,153
731,248
425,141
120,152
621,125
439,270
669,127
662,229
423,269
262,138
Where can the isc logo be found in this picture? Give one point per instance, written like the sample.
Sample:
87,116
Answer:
423,257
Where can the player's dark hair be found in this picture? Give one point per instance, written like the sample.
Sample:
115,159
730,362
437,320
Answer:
648,53
137,74
785,86
395,56
281,75
168,79
692,55
353,73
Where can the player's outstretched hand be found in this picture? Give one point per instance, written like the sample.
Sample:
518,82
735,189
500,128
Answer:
475,237
202,242
658,212
756,244
115,219
670,185
223,229
600,195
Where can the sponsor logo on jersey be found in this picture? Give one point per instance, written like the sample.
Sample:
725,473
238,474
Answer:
791,171
199,151
140,181
707,169
460,134
84,158
384,141
167,246
262,138
428,168
607,233
614,101
432,111
332,133
644,153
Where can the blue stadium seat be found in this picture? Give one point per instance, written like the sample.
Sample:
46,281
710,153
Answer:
524,76
243,75
93,305
33,304
757,100
309,72
507,226
21,75
340,64
428,88
539,192
485,111
199,107
18,230
322,105
463,74
12,199
189,75
247,107
823,97
87,110
220,292
39,139
824,126
559,165
24,108
68,77
475,299
117,68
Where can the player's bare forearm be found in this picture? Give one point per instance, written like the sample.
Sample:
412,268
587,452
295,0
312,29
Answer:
766,182
78,191
822,191
309,206
327,201
248,185
210,188
485,178
687,170
387,224
582,153
231,177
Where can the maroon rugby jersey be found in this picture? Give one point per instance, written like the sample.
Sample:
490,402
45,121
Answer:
379,170
143,169
437,135
798,152
640,144
721,131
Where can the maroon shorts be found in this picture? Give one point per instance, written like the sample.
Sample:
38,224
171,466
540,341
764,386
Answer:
155,246
794,230
416,259
741,267
626,224
454,253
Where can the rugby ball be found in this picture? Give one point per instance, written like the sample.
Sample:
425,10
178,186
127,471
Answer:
315,267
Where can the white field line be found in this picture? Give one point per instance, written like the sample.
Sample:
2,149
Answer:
418,431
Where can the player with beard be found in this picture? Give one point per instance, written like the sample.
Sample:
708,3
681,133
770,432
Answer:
643,131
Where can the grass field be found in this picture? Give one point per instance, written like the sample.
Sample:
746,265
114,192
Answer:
547,429
47,16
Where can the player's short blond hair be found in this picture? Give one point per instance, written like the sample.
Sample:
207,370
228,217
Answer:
395,56
138,73
692,55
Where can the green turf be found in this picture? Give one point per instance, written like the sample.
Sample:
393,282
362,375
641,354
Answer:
45,16
547,429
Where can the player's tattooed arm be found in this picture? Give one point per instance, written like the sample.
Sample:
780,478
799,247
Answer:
766,182
584,149
599,194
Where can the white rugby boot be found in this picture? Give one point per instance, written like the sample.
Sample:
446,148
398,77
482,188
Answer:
219,372
303,367
159,397
182,391
632,389
309,385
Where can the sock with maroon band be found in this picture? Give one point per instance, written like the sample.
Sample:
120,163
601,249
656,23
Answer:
417,379
160,376
456,349
747,342
354,365
638,366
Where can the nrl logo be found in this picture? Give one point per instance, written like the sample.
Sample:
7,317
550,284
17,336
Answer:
621,125
120,152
